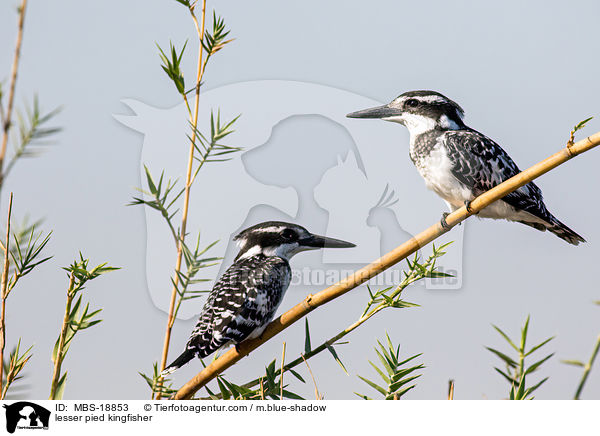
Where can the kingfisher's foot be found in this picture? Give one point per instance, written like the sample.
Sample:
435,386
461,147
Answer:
468,206
443,221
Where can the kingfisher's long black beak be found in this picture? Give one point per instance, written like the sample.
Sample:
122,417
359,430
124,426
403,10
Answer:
384,111
316,241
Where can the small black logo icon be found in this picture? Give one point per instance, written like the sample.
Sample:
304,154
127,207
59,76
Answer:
26,415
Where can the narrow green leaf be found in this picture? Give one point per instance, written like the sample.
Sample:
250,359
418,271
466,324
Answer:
404,391
381,390
293,396
509,361
298,376
385,378
60,387
532,389
395,386
409,359
506,338
536,365
404,372
307,346
224,391
524,334
520,395
336,357
581,124
384,362
538,346
510,379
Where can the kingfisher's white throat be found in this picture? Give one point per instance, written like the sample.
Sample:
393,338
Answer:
419,124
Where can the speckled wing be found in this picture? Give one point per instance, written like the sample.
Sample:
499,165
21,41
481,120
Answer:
480,164
243,300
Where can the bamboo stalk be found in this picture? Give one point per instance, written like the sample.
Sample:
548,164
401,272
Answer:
311,302
367,315
587,368
186,196
451,389
318,396
304,357
11,89
312,353
3,293
61,339
281,373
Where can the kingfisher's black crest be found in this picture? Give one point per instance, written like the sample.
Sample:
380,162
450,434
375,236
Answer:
269,236
459,163
245,299
431,104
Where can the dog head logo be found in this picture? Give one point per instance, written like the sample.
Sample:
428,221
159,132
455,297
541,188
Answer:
26,415
302,161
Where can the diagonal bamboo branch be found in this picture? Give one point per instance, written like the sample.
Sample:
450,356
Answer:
6,119
388,260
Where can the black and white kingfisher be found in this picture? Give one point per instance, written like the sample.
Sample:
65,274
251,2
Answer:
245,299
459,163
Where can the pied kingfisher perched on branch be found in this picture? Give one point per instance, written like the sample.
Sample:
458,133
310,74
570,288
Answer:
246,297
459,163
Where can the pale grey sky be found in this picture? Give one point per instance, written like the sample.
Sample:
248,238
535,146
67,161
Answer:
525,73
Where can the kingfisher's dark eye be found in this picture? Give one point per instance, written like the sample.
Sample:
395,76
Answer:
289,235
412,102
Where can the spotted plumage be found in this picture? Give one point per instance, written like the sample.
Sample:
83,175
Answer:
244,300
247,294
459,163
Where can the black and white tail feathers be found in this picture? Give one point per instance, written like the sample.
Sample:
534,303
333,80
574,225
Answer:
183,358
553,225
563,232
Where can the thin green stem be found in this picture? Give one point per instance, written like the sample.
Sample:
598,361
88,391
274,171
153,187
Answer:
11,92
587,368
61,340
4,293
188,184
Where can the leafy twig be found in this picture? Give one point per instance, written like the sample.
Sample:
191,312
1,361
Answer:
587,367
516,370
32,132
580,125
392,372
161,200
25,258
3,291
15,366
201,150
11,93
270,386
75,318
158,384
